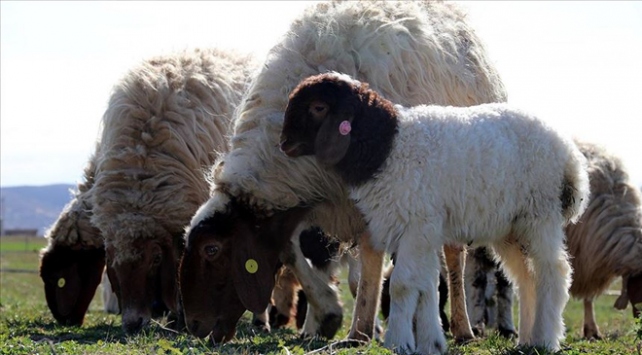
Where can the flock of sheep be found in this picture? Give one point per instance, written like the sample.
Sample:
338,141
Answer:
372,128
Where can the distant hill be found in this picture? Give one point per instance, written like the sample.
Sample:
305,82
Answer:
34,206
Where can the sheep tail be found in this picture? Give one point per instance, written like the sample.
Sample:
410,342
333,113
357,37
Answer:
575,187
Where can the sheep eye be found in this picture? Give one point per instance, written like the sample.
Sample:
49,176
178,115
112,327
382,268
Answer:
211,250
318,109
157,259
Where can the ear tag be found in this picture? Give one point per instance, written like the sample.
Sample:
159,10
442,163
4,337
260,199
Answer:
61,282
251,266
345,128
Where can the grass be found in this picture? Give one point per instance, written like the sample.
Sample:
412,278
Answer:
27,327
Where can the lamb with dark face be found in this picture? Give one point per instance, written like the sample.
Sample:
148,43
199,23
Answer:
425,176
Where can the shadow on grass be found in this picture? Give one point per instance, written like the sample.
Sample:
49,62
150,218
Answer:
45,330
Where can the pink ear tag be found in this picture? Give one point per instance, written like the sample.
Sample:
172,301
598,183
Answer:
345,128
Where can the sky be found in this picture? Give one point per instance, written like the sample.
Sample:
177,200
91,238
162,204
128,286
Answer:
575,64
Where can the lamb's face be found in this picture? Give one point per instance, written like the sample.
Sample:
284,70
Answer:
229,265
318,119
71,277
145,284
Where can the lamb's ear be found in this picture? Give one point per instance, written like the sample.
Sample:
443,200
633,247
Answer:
333,139
253,266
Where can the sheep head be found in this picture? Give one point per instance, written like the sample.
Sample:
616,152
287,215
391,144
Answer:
319,116
229,265
342,122
71,276
145,282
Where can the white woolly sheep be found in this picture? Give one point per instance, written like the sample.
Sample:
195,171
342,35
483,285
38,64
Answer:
413,52
165,124
428,175
604,244
74,258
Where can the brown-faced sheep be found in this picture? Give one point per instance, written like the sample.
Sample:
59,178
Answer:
165,124
73,261
413,52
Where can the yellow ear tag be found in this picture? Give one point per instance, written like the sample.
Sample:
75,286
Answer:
251,266
61,282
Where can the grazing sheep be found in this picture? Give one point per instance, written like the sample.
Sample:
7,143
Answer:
606,242
413,52
428,175
166,122
73,261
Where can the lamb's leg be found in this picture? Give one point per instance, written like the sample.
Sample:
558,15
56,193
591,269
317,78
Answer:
505,324
325,311
459,323
354,275
552,280
429,335
518,270
591,330
368,292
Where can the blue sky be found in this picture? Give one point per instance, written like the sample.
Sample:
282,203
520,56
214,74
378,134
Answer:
576,64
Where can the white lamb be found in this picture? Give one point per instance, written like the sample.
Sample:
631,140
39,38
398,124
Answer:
428,175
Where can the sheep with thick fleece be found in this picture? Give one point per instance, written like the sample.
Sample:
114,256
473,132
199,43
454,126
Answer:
428,175
606,242
166,122
74,259
414,52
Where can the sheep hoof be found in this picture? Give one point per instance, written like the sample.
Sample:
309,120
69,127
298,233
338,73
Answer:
262,326
591,333
508,333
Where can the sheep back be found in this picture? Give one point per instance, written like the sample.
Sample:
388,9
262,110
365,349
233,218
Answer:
166,122
411,52
607,240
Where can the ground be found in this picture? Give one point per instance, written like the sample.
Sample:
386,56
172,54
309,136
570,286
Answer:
27,327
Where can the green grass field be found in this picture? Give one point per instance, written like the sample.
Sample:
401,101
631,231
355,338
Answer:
27,327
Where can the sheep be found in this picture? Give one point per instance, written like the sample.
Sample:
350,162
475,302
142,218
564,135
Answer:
72,262
414,52
606,242
166,122
427,175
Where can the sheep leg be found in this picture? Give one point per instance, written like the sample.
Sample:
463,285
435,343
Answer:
459,323
476,281
325,311
430,337
518,270
354,275
552,279
591,330
505,324
284,297
368,292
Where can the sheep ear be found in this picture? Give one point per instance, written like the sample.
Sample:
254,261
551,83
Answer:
331,143
253,268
